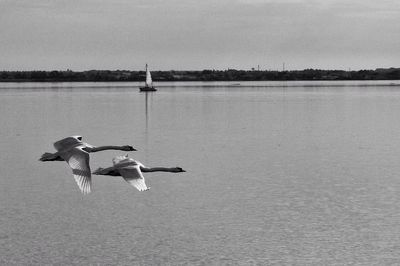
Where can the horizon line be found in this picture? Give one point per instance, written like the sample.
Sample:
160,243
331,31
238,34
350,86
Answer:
212,69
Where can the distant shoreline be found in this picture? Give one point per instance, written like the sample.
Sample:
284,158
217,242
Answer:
201,75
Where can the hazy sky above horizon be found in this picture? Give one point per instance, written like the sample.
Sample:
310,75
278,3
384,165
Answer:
189,34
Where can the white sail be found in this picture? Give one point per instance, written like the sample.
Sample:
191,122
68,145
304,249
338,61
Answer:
149,82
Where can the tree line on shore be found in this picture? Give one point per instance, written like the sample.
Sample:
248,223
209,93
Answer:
202,75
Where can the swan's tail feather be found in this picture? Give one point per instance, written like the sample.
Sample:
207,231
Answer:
47,156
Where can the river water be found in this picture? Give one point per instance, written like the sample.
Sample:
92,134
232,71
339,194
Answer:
278,173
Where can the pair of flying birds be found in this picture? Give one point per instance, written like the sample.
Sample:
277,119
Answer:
76,154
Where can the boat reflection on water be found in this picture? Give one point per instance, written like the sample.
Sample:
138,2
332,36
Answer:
146,110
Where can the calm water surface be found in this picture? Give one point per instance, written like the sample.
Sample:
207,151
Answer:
277,173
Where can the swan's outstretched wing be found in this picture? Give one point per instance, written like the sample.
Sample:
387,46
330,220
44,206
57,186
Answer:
134,176
78,160
67,143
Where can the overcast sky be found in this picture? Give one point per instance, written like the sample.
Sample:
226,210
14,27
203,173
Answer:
193,34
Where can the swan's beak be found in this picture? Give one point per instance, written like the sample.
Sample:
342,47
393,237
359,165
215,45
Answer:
130,148
181,170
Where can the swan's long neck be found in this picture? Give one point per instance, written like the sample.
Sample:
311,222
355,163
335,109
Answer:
103,148
158,169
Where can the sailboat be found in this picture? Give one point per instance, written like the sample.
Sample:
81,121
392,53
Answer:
148,85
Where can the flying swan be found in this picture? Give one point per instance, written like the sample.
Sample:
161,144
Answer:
76,154
132,171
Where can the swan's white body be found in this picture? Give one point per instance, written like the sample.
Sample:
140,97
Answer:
71,150
131,171
76,154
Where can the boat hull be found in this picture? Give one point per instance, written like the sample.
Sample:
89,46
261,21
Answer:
148,89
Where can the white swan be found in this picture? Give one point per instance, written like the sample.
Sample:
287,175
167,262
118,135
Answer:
131,171
76,154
